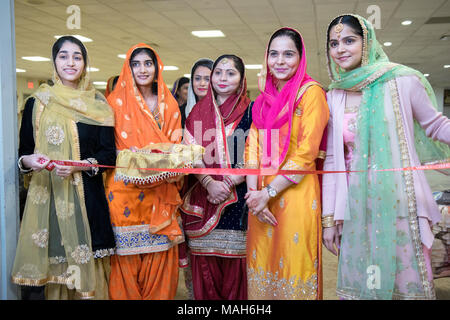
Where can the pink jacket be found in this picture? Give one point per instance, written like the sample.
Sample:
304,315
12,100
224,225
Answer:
414,104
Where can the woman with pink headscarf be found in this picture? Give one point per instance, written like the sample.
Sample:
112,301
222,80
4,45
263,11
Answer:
284,232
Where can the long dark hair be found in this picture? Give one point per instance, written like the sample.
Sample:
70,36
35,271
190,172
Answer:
348,20
294,36
152,55
60,42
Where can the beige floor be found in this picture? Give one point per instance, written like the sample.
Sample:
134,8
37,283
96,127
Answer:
442,285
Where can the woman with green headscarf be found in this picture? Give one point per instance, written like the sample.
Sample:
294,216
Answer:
66,238
382,115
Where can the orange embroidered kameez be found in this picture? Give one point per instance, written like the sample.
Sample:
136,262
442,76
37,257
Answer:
144,218
284,262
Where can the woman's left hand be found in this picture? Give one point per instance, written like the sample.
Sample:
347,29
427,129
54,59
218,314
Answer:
63,171
257,200
266,216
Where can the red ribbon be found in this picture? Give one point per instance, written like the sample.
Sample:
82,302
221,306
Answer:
240,172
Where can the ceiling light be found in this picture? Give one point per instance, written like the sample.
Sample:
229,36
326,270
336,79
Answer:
122,56
170,68
406,22
387,44
100,83
253,66
20,70
426,75
187,75
208,33
81,38
92,69
36,59
446,66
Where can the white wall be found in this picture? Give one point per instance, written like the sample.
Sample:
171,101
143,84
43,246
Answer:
22,87
9,175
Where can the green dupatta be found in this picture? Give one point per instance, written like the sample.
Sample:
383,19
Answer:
378,208
55,240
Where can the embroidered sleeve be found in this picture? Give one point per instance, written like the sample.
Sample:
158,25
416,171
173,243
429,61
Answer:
311,122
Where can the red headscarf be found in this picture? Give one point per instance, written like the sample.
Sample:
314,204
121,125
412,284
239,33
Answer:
201,215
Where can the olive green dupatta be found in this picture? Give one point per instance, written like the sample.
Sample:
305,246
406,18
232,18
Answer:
381,242
55,240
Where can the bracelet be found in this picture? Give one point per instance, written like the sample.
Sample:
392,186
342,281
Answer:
328,221
228,182
94,169
208,179
21,168
203,180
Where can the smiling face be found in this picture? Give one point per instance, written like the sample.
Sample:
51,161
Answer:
143,69
69,64
345,48
200,81
283,59
225,78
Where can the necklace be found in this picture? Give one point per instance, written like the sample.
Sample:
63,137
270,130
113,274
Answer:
153,107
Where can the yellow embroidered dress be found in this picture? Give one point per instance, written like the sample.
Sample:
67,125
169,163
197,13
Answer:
284,262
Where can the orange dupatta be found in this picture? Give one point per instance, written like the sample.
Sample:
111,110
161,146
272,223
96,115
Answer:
133,115
136,126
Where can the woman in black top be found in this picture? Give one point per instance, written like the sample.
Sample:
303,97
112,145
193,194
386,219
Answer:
66,224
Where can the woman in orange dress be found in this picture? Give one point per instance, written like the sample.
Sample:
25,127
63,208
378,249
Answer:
144,219
284,232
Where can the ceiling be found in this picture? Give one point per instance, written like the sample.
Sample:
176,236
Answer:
116,25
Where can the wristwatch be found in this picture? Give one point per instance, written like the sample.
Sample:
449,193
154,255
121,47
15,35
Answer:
271,191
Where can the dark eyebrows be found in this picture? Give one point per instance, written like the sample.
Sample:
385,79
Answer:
65,51
347,37
225,69
137,61
276,51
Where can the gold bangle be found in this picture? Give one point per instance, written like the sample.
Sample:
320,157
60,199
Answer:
208,180
328,221
322,155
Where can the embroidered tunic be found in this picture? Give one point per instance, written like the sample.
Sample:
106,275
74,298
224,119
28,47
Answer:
284,262
96,142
